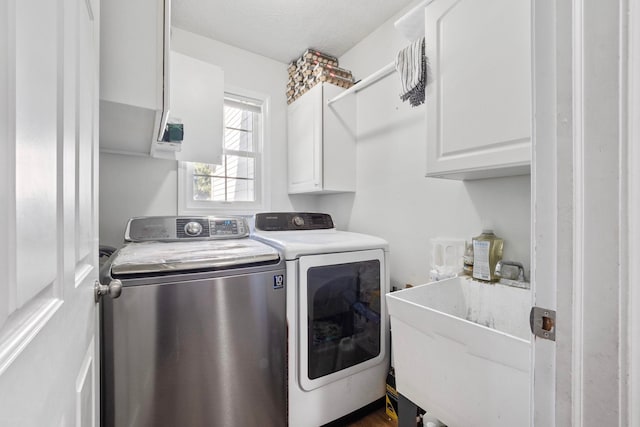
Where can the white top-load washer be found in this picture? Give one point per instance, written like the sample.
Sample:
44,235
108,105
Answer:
337,319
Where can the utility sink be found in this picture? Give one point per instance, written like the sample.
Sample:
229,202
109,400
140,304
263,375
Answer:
461,351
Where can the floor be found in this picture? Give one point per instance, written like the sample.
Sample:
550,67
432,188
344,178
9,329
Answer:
378,418
373,415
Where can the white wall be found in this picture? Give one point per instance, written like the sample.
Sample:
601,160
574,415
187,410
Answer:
394,200
137,186
133,186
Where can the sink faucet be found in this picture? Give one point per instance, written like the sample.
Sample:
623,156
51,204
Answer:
515,264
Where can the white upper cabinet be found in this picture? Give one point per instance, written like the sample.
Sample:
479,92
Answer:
321,142
197,101
134,73
479,98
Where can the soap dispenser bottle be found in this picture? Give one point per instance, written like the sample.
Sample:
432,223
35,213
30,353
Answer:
487,251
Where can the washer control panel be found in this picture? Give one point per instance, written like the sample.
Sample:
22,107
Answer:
286,221
181,228
227,227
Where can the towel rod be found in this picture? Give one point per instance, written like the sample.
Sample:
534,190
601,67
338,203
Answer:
367,81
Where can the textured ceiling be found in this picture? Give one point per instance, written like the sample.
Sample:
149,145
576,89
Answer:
283,29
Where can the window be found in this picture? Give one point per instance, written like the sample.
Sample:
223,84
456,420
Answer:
236,183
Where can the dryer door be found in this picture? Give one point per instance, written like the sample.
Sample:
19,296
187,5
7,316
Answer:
342,323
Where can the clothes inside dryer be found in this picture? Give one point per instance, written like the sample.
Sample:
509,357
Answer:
344,316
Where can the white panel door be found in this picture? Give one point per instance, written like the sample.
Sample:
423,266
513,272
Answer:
48,262
584,223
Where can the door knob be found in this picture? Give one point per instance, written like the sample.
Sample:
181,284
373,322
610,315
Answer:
113,289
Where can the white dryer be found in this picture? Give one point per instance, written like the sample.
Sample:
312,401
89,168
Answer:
338,340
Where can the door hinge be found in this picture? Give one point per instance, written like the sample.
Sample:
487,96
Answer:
543,323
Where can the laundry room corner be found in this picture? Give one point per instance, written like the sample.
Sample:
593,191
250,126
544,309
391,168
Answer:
407,213
391,182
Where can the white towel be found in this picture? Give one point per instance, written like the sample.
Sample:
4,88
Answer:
411,64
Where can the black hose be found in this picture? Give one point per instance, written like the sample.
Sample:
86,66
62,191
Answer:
106,251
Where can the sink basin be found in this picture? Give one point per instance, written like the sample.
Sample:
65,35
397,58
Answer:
461,351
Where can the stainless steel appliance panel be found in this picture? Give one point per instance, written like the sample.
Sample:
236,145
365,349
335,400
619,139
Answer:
196,353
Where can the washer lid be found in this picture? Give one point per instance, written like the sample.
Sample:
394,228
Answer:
294,244
163,257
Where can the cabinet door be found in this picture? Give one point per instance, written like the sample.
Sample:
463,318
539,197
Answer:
479,99
305,142
197,99
132,53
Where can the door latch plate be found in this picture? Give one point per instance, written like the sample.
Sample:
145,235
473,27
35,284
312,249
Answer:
543,323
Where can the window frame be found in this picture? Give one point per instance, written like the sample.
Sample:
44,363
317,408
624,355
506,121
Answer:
186,203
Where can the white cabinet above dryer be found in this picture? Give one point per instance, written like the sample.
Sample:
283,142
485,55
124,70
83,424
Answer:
321,142
479,98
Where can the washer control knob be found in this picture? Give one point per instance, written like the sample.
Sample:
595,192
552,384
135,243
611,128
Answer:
193,228
298,221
